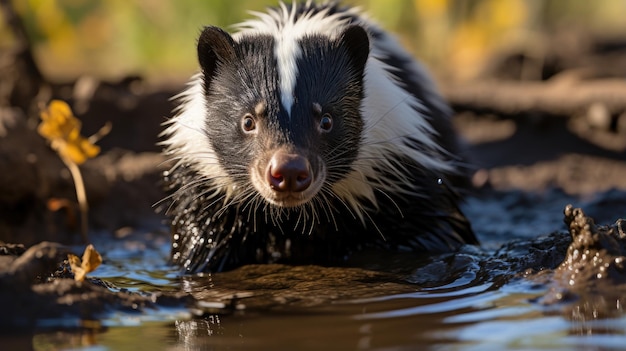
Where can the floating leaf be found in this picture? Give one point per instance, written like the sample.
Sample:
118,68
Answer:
62,129
91,260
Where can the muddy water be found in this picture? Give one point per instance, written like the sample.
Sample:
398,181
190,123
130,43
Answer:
473,300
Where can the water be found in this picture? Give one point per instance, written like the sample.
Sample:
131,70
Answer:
468,301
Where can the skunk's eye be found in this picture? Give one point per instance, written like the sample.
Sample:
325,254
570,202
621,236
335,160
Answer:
248,124
326,123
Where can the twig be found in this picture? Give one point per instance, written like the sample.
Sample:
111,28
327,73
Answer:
81,196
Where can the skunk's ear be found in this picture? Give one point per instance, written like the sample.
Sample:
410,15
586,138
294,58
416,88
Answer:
215,47
356,41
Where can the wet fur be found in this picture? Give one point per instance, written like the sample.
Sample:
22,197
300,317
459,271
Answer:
389,170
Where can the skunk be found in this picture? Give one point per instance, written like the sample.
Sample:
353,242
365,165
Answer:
306,136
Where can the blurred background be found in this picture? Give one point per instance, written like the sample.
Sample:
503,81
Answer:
537,86
155,39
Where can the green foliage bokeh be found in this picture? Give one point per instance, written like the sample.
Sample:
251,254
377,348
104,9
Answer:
156,38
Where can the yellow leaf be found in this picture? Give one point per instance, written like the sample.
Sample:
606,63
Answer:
80,150
91,260
90,150
79,272
58,121
62,129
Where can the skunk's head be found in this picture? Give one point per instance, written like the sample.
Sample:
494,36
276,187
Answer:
281,116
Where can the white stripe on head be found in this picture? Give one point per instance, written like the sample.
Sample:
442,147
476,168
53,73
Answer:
287,52
287,31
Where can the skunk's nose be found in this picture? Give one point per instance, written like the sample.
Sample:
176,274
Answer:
289,172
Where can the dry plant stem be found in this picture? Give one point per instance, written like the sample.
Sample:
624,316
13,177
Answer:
81,195
106,129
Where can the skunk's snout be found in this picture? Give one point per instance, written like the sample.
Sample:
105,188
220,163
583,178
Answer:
289,172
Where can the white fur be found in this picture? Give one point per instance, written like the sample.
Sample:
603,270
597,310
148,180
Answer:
282,25
389,112
390,116
187,138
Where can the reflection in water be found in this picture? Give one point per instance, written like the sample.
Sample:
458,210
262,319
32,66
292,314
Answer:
599,316
442,306
62,340
192,332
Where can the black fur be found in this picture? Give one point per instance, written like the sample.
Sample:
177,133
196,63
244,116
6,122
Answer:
240,236
212,233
